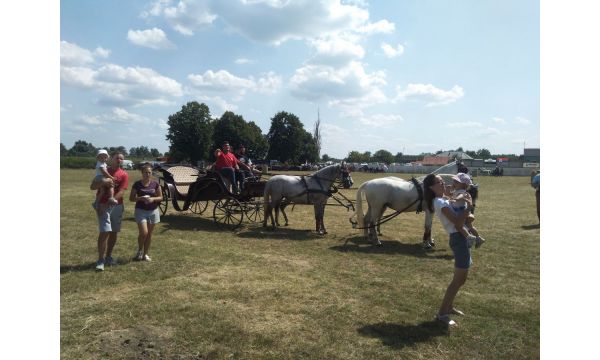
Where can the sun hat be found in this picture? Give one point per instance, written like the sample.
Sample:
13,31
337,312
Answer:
462,178
102,151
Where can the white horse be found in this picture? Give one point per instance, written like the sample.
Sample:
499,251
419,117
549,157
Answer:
400,195
314,189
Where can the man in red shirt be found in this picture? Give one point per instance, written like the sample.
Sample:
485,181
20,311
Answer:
109,217
227,165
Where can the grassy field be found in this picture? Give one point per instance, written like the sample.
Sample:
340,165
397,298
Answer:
212,292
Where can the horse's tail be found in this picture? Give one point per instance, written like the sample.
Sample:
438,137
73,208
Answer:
360,216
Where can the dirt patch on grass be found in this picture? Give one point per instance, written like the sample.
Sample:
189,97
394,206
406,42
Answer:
142,341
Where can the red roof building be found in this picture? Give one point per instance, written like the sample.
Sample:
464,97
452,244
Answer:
435,160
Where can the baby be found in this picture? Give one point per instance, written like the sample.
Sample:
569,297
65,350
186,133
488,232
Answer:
458,202
103,180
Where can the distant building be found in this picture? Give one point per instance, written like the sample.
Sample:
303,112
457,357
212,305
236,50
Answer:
531,155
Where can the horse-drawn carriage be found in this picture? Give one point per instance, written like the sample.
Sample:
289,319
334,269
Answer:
189,188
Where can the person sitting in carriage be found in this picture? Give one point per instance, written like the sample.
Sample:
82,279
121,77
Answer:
245,164
346,178
228,165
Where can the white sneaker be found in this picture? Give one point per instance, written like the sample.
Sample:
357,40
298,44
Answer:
147,258
479,241
471,240
445,319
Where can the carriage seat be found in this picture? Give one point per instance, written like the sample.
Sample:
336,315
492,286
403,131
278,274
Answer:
183,177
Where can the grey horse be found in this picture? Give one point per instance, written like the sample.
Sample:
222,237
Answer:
314,189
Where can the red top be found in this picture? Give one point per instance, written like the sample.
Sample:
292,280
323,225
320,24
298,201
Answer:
121,183
226,160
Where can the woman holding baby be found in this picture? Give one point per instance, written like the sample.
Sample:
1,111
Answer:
146,194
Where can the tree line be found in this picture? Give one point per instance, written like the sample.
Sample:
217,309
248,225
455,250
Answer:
82,148
194,135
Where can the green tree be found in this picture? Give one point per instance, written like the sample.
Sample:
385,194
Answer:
82,148
367,156
483,154
325,157
120,149
354,157
155,153
190,133
141,151
233,128
471,153
383,156
308,149
63,150
399,157
288,141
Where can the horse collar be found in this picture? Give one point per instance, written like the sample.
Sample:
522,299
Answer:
419,187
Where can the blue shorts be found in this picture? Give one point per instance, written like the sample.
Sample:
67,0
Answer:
460,248
110,219
149,216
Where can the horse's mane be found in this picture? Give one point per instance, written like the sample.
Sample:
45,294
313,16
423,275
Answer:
325,170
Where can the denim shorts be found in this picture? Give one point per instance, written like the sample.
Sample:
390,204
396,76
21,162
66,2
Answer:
460,248
110,219
149,216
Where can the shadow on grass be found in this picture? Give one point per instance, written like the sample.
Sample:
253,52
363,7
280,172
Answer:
89,266
191,223
399,336
281,233
530,227
361,245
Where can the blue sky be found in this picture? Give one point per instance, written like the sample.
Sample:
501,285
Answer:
405,76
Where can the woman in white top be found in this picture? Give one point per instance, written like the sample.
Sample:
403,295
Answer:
435,201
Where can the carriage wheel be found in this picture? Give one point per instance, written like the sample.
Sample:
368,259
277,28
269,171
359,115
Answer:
228,211
198,207
164,204
254,211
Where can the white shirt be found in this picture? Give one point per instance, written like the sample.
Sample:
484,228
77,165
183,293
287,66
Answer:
99,166
438,205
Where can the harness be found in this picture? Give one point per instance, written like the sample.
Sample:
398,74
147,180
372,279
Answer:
384,219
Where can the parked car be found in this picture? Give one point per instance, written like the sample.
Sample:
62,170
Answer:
127,164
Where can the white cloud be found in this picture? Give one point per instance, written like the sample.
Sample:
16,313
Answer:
429,93
522,121
348,83
382,26
101,52
286,20
221,80
224,81
80,77
390,51
73,55
336,52
243,61
151,38
498,120
186,17
122,115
